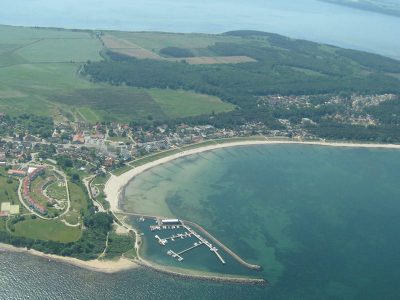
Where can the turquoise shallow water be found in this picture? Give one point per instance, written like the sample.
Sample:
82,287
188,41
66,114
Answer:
322,221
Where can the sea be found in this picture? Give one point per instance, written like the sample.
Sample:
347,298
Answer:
305,19
323,222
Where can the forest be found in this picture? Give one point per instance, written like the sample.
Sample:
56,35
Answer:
283,66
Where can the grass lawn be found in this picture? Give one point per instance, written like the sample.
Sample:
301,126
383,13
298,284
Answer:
47,230
72,217
79,199
57,192
8,191
181,103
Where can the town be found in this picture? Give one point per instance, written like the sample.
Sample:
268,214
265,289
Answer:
87,151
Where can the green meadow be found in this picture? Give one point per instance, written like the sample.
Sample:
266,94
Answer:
39,73
47,230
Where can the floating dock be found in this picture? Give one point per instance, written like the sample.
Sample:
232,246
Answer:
187,234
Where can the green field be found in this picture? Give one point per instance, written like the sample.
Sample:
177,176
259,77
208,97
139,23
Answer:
181,103
33,45
39,74
62,50
72,217
8,191
47,230
57,192
127,104
154,41
78,198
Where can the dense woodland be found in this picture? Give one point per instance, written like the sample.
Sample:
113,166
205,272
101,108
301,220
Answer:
284,66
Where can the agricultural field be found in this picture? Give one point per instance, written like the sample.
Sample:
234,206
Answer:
214,60
127,47
179,103
146,45
155,41
34,45
126,104
39,74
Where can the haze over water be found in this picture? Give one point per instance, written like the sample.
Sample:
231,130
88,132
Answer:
307,19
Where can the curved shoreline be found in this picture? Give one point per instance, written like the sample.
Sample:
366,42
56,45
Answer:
107,266
115,190
115,186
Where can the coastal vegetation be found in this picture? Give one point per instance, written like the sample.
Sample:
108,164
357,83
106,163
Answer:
281,66
128,99
84,235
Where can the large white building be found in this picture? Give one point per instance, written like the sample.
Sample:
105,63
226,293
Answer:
171,222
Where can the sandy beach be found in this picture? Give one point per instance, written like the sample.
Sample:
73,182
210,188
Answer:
116,184
108,267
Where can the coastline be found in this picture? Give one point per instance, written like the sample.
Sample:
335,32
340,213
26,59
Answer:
185,273
115,187
108,267
115,190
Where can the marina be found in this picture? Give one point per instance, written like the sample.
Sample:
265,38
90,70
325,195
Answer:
175,224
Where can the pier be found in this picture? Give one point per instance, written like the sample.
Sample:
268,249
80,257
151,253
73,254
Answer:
187,234
195,245
225,248
161,227
163,241
229,251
